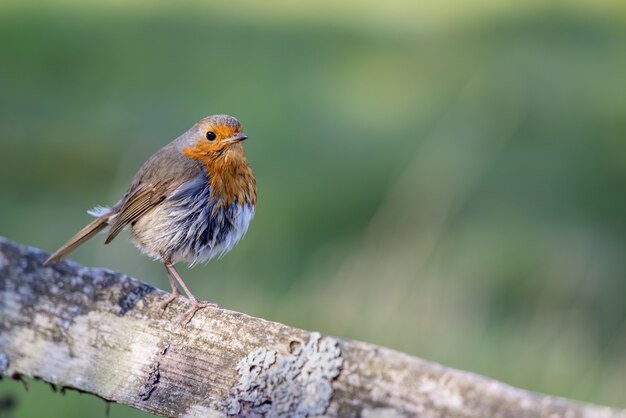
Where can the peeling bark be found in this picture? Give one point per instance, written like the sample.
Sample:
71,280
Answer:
102,332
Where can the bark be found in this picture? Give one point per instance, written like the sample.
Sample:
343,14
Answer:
102,332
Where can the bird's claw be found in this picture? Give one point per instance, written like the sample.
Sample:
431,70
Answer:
169,300
195,307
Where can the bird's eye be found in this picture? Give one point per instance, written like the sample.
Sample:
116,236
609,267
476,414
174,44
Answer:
210,135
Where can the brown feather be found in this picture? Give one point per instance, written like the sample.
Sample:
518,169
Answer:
134,207
79,238
161,174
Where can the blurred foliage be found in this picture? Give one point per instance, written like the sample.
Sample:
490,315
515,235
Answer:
447,180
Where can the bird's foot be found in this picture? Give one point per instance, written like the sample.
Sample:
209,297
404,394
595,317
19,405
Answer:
169,300
196,305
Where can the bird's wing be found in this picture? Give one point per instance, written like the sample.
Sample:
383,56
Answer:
161,175
135,205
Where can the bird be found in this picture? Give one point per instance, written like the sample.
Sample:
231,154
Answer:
191,201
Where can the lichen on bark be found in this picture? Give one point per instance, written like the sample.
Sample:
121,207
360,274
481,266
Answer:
296,385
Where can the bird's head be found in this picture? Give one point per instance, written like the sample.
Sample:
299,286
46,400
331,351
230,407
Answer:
214,137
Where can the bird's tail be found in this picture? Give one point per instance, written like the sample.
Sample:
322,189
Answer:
79,238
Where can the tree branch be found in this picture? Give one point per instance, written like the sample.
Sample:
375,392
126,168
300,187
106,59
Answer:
102,332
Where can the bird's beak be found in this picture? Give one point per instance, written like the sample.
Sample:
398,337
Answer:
237,138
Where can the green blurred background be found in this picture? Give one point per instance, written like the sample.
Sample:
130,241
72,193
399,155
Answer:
445,179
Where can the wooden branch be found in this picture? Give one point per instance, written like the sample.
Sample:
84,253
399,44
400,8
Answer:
102,332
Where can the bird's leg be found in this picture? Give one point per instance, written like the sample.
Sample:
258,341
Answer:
175,291
195,303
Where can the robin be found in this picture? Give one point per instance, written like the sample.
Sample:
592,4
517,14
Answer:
191,201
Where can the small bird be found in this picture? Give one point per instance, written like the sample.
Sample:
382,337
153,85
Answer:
191,201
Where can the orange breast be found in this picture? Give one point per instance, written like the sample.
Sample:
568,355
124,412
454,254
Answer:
231,177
